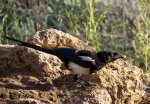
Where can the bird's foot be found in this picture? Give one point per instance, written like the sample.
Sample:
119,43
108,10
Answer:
84,85
90,84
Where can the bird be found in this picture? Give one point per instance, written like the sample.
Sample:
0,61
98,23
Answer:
80,62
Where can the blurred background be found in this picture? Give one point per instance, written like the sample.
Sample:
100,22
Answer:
122,26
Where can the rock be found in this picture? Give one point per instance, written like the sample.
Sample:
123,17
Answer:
28,101
52,38
94,95
16,57
146,97
123,81
27,73
30,76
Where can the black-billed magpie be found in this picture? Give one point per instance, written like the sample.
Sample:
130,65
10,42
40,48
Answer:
79,61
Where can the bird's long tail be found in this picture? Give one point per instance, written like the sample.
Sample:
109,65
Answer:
26,44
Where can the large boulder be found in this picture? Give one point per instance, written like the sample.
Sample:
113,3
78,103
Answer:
28,76
52,38
26,73
123,81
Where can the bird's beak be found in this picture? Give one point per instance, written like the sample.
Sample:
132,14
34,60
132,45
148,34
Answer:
120,56
123,56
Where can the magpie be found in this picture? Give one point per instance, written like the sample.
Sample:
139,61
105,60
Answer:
80,62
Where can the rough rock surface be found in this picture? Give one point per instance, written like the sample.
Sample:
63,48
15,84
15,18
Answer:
26,73
52,38
146,97
28,76
122,80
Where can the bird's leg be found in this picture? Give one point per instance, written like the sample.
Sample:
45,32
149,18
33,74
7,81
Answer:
77,77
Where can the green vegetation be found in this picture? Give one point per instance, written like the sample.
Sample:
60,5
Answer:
142,35
84,19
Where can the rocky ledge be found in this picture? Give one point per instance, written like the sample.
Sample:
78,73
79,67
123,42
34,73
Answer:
28,76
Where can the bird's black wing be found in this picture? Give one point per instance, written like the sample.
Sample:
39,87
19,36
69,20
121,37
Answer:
65,54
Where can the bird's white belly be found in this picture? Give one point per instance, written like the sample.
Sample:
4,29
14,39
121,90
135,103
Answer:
78,69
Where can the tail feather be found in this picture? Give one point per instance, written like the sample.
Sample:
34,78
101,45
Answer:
26,44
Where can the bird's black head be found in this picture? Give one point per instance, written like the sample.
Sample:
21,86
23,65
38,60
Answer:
105,56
